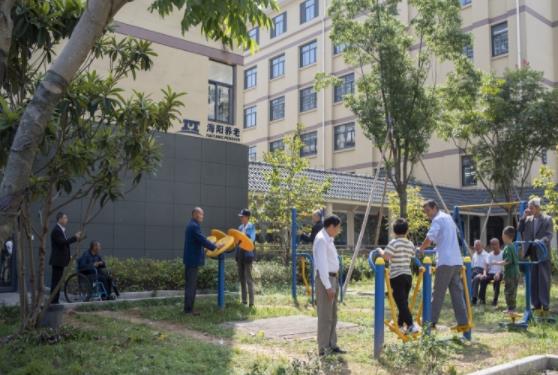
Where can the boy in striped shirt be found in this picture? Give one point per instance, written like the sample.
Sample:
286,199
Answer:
400,252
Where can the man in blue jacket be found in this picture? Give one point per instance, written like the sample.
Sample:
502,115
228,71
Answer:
194,257
244,259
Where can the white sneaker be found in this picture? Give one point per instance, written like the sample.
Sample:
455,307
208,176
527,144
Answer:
412,330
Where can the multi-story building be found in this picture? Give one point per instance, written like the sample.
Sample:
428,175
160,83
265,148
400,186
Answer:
278,81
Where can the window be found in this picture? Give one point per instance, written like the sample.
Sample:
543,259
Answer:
276,145
252,153
277,67
308,99
279,25
347,87
254,34
308,53
465,2
310,144
250,117
468,51
250,77
277,108
468,173
308,10
339,48
341,238
221,92
344,136
499,39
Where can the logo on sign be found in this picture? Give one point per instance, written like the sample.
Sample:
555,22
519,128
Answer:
190,126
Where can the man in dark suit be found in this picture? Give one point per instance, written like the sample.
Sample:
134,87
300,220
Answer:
536,226
60,251
194,257
316,227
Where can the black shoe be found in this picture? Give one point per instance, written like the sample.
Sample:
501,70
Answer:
494,303
338,350
474,302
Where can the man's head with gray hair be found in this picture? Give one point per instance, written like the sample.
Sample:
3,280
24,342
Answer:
478,246
197,214
316,216
495,245
534,206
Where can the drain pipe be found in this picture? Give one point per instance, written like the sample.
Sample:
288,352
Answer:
324,10
519,63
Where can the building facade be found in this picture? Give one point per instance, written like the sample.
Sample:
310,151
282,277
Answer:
278,79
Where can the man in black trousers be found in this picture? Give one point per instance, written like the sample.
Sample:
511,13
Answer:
60,251
194,257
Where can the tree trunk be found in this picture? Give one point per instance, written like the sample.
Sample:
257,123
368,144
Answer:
6,26
402,192
38,112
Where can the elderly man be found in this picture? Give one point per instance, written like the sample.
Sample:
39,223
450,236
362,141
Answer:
92,264
316,227
479,266
443,232
495,271
326,264
536,226
194,257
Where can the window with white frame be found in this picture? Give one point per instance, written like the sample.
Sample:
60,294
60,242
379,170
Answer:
346,87
277,108
499,39
308,10
344,136
277,66
250,114
250,77
279,25
308,99
308,53
310,144
221,92
468,173
252,153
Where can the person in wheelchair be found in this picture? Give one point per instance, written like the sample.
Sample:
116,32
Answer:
92,264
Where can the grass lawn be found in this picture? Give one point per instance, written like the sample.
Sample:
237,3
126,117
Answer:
154,337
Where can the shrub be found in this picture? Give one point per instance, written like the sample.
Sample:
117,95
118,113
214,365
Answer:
151,274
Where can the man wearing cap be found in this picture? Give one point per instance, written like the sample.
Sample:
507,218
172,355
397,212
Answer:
244,259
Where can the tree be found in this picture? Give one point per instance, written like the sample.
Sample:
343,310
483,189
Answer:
224,20
417,219
395,105
288,187
504,124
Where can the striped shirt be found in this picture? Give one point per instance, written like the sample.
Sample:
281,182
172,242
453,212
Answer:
401,252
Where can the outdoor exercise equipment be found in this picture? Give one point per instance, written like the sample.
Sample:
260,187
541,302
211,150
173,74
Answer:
229,243
307,256
425,306
526,266
241,239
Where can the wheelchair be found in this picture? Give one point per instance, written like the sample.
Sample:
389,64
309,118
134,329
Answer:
82,287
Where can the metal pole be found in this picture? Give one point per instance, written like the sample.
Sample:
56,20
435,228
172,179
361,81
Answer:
379,292
427,295
293,251
468,276
221,283
340,281
519,62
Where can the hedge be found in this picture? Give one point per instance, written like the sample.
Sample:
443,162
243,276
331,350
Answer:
151,274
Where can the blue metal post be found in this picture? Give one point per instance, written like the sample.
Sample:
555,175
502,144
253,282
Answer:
340,279
528,313
427,295
468,276
379,270
221,283
293,251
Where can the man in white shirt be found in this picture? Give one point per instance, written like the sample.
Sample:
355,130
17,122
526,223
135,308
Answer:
326,265
443,232
495,271
479,267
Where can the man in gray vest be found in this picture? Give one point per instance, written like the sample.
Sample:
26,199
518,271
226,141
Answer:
536,226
